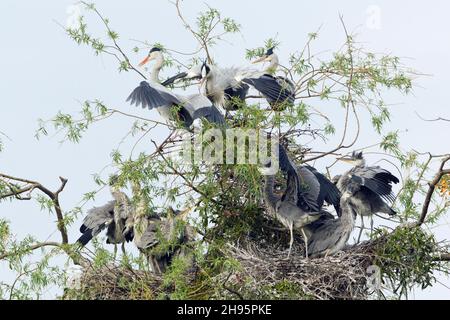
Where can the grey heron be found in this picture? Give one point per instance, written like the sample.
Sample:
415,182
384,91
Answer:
153,95
228,87
333,234
163,238
300,207
115,216
270,72
375,187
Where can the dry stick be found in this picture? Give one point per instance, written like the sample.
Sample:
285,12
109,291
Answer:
116,45
432,186
54,196
350,103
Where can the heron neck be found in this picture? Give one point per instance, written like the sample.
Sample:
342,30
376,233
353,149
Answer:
269,196
273,65
159,62
347,213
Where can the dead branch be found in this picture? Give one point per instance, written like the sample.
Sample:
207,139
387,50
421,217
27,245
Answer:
432,186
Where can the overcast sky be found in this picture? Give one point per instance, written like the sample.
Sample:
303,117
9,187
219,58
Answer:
43,71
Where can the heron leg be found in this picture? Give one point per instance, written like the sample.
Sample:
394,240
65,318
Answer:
123,249
115,251
291,242
362,228
371,225
305,239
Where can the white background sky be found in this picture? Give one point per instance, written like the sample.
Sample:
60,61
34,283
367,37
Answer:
43,71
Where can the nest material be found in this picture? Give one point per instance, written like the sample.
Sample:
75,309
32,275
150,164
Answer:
115,283
341,276
262,269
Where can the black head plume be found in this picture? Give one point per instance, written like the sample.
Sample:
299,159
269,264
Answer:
206,67
357,155
154,49
269,52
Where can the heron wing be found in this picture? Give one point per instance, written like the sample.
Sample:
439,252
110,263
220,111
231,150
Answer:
377,180
199,106
328,191
307,185
171,80
151,95
270,88
97,219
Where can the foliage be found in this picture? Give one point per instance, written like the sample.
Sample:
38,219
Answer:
229,211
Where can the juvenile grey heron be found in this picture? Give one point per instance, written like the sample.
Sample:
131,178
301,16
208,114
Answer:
333,234
153,95
115,216
164,238
374,187
300,207
270,72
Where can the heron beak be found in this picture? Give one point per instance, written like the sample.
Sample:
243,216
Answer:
262,59
202,81
145,61
346,160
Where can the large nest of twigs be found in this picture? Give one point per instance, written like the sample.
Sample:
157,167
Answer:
262,271
269,274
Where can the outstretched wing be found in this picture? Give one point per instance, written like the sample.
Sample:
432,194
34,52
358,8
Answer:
149,96
212,114
97,219
377,180
270,88
328,191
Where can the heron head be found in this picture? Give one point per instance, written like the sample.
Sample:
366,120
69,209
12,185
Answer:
195,73
356,159
153,54
266,57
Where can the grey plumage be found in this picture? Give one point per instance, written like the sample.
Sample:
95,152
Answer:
115,217
172,107
301,203
332,235
314,189
163,238
374,186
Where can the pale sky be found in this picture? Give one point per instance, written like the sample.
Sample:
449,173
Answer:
43,71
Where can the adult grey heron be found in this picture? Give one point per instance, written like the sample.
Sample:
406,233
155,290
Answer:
172,107
270,72
300,207
374,187
228,87
115,216
333,234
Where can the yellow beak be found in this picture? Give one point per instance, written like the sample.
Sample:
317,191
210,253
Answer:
262,59
145,61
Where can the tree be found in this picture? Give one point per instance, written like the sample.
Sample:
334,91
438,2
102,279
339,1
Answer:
240,248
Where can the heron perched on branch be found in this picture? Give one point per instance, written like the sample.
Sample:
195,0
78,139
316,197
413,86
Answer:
374,187
171,106
116,217
300,207
228,87
288,88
